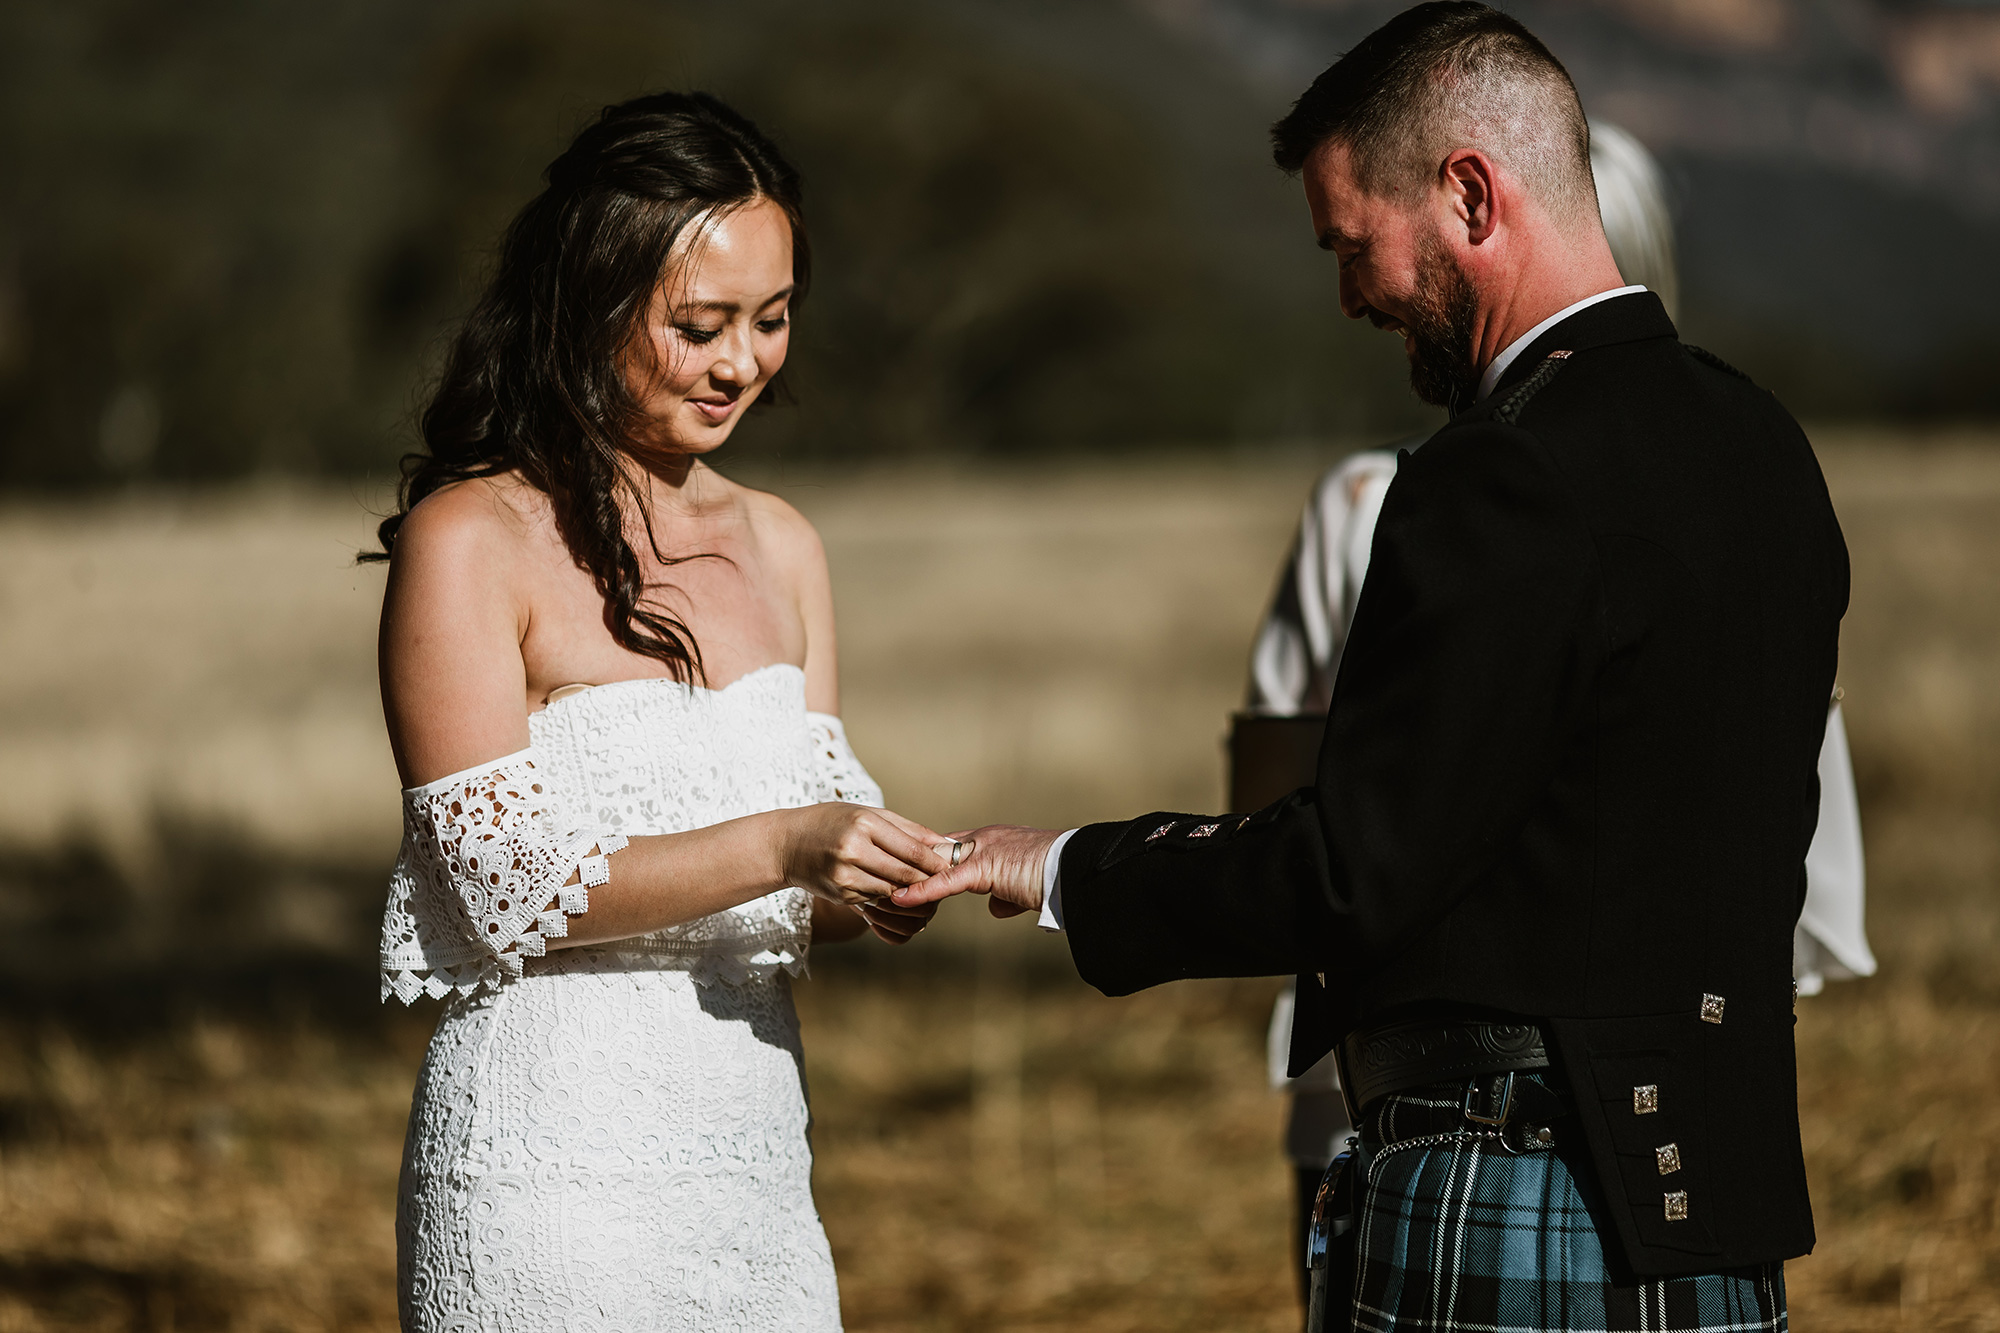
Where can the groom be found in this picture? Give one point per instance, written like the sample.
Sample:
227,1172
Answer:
1541,897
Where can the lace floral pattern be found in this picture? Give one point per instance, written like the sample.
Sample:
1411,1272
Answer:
837,774
614,1138
597,1150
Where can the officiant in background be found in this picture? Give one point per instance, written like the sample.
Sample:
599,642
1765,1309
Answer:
1274,741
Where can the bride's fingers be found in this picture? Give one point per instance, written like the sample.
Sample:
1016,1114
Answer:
889,936
882,913
893,927
890,907
915,828
911,829
858,881
890,866
913,844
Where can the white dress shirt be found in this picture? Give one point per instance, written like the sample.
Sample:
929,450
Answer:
1520,344
1051,918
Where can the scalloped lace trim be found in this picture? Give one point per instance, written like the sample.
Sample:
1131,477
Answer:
837,773
487,876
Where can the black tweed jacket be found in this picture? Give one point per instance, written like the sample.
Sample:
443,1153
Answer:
1568,775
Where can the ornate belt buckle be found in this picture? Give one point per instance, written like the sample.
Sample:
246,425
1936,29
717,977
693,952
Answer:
1502,1092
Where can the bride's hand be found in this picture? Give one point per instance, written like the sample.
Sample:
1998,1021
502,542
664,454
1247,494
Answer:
856,854
894,923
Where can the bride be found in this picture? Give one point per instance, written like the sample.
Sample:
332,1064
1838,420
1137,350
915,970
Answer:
609,679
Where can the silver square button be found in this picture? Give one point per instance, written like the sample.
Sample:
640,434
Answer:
1645,1099
1669,1157
1711,1008
1676,1202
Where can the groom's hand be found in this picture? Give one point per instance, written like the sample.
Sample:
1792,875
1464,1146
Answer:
1005,860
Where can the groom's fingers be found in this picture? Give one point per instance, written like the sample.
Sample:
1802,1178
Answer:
965,879
1008,863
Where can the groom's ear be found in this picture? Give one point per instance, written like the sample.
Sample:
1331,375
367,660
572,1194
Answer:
1472,185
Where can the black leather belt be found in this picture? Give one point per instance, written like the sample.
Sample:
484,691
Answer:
1379,1062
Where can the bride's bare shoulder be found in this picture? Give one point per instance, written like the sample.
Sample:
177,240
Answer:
788,534
488,522
485,531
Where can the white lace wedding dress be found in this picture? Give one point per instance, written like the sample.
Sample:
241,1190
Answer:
611,1138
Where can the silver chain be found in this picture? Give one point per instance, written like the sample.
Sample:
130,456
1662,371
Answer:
1450,1136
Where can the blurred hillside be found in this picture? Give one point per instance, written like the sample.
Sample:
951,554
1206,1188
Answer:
233,234
1834,166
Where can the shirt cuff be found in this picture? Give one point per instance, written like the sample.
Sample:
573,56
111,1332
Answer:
1052,914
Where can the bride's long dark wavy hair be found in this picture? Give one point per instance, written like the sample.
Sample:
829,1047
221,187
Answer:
534,379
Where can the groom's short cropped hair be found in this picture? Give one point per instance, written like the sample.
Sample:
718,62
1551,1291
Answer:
1443,76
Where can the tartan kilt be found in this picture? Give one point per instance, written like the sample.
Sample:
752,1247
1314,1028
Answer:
1458,1235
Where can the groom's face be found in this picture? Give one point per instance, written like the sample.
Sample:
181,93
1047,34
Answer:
1397,273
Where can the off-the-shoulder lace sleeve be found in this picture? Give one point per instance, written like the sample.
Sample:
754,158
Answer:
837,774
488,873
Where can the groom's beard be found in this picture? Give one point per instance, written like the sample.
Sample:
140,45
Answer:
1444,315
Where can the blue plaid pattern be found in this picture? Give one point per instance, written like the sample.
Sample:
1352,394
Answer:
1457,1235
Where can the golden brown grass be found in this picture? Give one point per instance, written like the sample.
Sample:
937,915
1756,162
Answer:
206,1134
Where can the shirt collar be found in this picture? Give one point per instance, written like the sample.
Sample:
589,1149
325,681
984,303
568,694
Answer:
1520,344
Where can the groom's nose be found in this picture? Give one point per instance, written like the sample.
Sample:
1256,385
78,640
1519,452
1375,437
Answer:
1352,303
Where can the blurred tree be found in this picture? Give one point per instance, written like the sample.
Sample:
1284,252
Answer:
234,234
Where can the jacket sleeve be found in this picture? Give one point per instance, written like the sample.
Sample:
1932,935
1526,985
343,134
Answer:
1469,662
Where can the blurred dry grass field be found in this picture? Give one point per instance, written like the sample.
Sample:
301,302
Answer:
201,1109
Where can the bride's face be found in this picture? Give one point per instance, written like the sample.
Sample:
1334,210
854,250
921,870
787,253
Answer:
717,329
